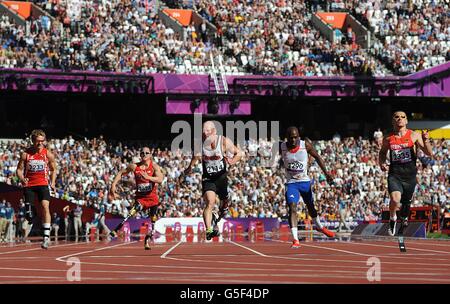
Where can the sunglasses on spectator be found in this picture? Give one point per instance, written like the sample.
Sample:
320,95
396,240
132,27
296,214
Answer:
145,153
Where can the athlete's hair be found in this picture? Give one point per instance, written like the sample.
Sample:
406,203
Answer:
399,111
291,129
37,132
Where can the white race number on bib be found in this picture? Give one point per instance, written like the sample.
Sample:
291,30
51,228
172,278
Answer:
402,156
214,167
147,187
36,165
295,166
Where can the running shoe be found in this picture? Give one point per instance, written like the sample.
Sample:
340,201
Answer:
295,244
391,229
327,232
113,234
147,240
45,243
211,233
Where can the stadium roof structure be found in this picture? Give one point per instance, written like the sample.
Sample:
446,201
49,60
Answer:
433,82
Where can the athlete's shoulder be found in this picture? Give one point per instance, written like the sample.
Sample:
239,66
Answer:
48,153
307,143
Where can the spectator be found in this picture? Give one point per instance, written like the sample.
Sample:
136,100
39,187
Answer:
78,224
67,221
9,216
343,213
20,222
3,221
56,223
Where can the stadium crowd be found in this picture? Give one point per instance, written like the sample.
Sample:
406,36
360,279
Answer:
277,37
86,168
272,37
414,35
115,36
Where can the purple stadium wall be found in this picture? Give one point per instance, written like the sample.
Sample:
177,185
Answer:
415,85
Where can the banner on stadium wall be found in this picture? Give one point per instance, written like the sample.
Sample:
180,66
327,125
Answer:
161,224
269,223
436,129
335,20
446,223
182,16
414,229
22,8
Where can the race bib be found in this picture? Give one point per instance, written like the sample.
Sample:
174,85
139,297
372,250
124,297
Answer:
402,156
36,165
296,166
214,167
147,187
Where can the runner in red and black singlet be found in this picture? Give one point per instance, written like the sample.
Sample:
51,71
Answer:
401,144
147,176
34,167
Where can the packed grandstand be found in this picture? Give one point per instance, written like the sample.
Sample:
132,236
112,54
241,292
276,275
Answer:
270,37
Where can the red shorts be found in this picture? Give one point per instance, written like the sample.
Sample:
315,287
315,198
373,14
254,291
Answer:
147,202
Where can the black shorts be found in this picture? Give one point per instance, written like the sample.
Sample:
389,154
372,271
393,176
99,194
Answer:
406,185
43,193
218,185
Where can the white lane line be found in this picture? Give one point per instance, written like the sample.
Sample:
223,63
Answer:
163,256
254,251
428,243
249,249
240,269
39,248
339,250
61,258
409,247
350,261
302,280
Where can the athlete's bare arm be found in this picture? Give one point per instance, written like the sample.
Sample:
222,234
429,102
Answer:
52,167
382,155
311,151
230,147
157,174
20,169
128,169
423,142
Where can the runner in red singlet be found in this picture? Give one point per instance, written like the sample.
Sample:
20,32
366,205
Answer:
402,145
33,171
147,175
